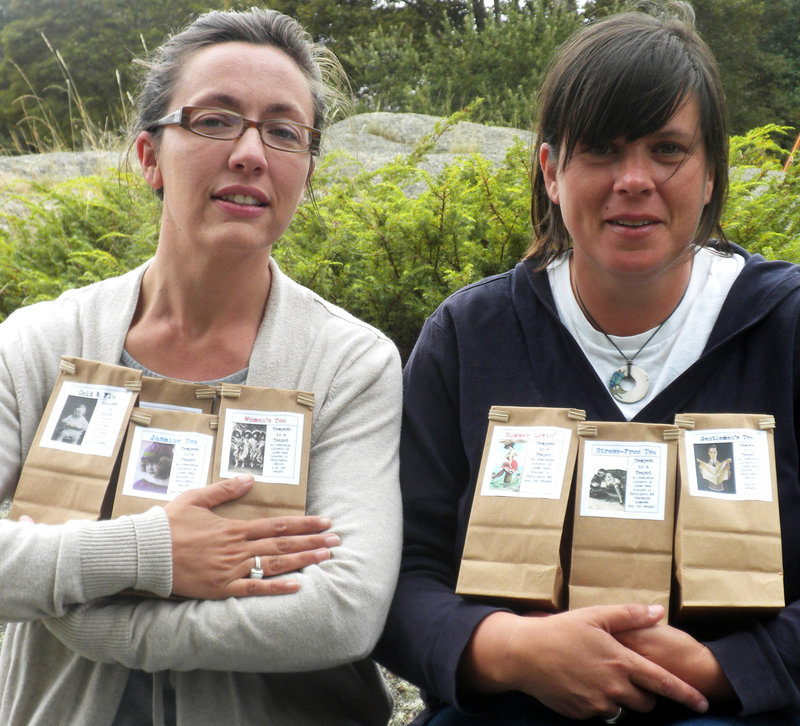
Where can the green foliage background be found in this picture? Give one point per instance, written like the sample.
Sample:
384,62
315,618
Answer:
369,246
66,65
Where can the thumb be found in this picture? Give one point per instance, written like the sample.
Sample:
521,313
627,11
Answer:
222,491
616,618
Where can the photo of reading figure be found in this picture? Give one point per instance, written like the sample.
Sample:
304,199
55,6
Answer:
72,426
271,610
628,265
609,484
715,475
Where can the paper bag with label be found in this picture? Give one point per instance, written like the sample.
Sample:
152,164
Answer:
265,432
176,395
728,534
624,514
166,453
514,536
74,453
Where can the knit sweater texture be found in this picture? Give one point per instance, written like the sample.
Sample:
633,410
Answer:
294,659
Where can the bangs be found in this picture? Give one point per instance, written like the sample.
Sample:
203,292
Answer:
622,92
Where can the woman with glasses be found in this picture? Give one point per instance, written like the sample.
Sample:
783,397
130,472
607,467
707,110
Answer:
274,618
631,305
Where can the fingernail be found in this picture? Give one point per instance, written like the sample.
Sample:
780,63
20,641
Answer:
323,554
332,540
655,611
703,706
325,522
244,478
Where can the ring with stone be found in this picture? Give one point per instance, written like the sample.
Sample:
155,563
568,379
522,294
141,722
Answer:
256,573
616,717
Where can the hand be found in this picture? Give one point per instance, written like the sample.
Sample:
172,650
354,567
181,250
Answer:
681,655
212,555
572,663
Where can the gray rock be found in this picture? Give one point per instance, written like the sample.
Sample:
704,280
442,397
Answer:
369,139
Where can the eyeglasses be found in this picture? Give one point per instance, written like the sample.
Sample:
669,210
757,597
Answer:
218,123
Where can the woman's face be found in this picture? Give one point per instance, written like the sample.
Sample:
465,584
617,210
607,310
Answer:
632,207
226,195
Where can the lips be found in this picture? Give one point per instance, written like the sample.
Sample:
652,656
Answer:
246,197
632,224
242,199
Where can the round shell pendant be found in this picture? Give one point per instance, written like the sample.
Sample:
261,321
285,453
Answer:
629,383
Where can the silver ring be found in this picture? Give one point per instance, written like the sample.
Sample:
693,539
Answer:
616,717
256,573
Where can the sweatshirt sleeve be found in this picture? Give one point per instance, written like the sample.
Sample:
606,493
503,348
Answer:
339,611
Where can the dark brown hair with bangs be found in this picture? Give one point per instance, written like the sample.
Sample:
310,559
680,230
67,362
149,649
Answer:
624,77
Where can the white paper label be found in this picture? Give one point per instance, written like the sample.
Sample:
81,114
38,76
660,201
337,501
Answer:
624,480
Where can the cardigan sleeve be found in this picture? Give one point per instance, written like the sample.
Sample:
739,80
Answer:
339,611
55,566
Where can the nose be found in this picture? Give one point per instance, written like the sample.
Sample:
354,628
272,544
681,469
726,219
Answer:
249,153
635,173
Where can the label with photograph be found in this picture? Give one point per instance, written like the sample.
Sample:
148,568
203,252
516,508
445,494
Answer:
87,419
728,464
164,464
526,461
624,480
268,445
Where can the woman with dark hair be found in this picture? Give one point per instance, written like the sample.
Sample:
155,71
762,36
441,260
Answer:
275,618
632,306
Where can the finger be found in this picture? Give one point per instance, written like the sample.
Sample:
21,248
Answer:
275,565
258,588
218,492
277,527
291,544
614,618
661,682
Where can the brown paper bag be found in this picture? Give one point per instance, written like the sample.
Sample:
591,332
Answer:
176,395
166,453
514,536
728,535
74,453
624,514
265,432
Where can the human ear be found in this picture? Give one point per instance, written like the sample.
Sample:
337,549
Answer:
709,185
548,162
147,151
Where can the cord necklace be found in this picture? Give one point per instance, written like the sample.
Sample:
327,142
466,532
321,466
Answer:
629,383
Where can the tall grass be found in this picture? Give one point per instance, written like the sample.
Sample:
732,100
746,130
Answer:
39,130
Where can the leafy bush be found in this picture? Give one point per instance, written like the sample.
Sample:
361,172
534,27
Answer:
72,234
369,244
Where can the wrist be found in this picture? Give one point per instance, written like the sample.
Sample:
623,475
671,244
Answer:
486,660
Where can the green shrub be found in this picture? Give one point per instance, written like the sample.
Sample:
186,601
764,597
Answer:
387,245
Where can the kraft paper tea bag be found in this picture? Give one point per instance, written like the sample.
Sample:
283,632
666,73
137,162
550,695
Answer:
166,453
74,453
624,514
728,536
265,432
176,395
514,537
